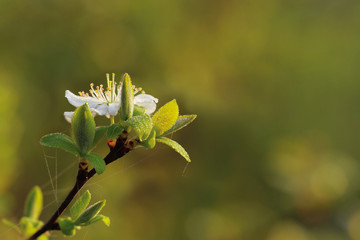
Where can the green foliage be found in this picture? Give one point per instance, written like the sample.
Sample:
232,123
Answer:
99,133
181,121
28,226
127,98
34,203
29,223
82,216
138,110
97,162
150,141
106,220
80,205
67,226
174,145
59,140
165,117
90,213
83,128
114,131
139,126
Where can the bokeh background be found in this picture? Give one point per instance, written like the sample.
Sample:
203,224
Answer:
275,84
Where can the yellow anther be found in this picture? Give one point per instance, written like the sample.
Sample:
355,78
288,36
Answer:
91,84
97,87
101,85
139,88
87,94
133,86
142,92
91,91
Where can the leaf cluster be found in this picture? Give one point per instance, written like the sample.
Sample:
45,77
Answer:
30,222
81,215
85,136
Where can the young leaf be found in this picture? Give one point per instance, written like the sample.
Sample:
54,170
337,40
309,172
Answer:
114,131
97,162
67,226
11,224
83,127
127,98
80,205
59,140
34,203
139,126
165,117
43,237
97,218
89,213
99,133
28,226
150,141
138,110
181,122
174,145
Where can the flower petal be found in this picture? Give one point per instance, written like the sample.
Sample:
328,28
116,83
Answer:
145,98
77,101
68,116
147,101
114,108
101,109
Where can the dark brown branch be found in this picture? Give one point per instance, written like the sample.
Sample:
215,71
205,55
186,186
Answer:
116,152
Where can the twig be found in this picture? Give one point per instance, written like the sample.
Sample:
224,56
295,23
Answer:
119,150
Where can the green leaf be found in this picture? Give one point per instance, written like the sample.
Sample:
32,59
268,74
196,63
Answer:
97,218
181,122
28,226
114,131
174,145
80,205
11,224
165,117
34,203
97,162
67,226
139,126
89,213
59,140
150,141
99,133
139,110
43,237
127,98
83,127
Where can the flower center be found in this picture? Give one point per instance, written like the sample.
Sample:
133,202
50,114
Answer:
112,92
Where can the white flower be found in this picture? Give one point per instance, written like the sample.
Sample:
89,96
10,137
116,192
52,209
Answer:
107,102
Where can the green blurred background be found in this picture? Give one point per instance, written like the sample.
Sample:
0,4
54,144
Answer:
275,84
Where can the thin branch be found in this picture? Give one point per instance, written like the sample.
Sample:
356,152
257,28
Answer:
83,176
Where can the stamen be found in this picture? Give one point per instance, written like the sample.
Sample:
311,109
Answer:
79,93
108,79
91,85
143,92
